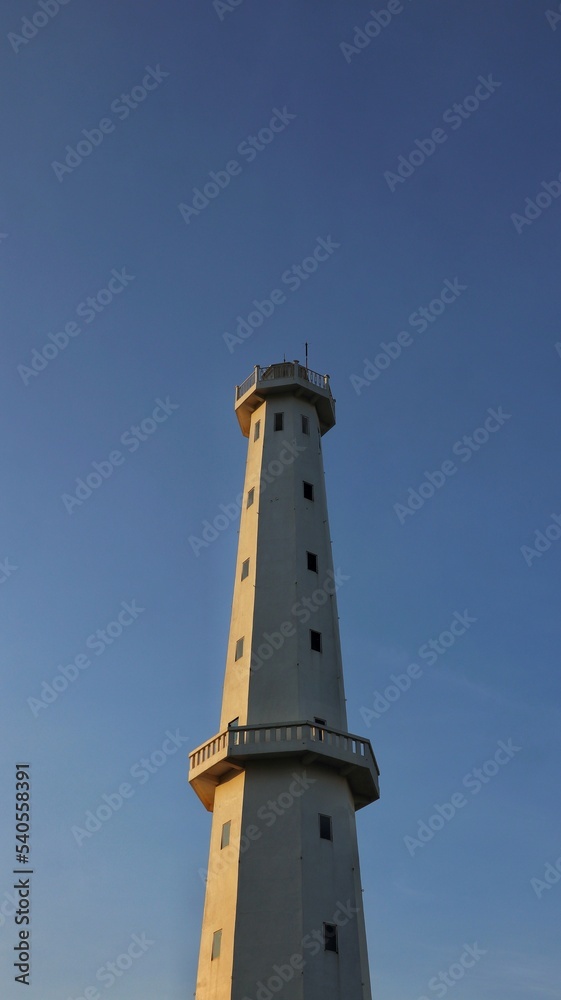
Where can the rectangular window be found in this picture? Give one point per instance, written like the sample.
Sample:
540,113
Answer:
325,827
308,491
315,640
312,561
251,496
245,569
330,937
216,942
239,648
305,425
257,430
279,421
225,839
234,723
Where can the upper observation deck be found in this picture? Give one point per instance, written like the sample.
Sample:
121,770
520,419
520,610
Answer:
289,376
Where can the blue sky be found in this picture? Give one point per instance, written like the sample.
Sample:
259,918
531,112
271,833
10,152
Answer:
156,336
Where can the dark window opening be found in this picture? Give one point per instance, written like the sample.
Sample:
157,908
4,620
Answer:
225,839
305,425
325,827
239,648
308,491
330,937
312,561
315,640
257,430
251,496
245,569
279,421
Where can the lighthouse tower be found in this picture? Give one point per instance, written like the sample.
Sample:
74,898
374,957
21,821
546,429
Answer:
283,778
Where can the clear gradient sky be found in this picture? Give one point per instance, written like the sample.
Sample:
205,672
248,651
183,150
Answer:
353,105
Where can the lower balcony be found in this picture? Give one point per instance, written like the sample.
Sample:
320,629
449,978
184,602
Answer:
351,755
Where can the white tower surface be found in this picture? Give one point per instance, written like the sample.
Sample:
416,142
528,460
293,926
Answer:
283,910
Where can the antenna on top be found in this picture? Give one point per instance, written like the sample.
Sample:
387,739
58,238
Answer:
306,355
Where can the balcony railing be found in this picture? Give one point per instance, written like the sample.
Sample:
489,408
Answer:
243,388
288,369
289,733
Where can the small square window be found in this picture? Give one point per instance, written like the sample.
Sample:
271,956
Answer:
251,496
279,421
239,648
305,425
325,827
225,839
257,430
245,569
312,561
315,640
308,491
217,941
330,937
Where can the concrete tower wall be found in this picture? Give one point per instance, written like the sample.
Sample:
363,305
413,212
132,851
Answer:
269,606
292,882
236,682
214,979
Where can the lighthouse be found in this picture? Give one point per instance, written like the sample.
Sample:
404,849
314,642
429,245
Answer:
283,778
